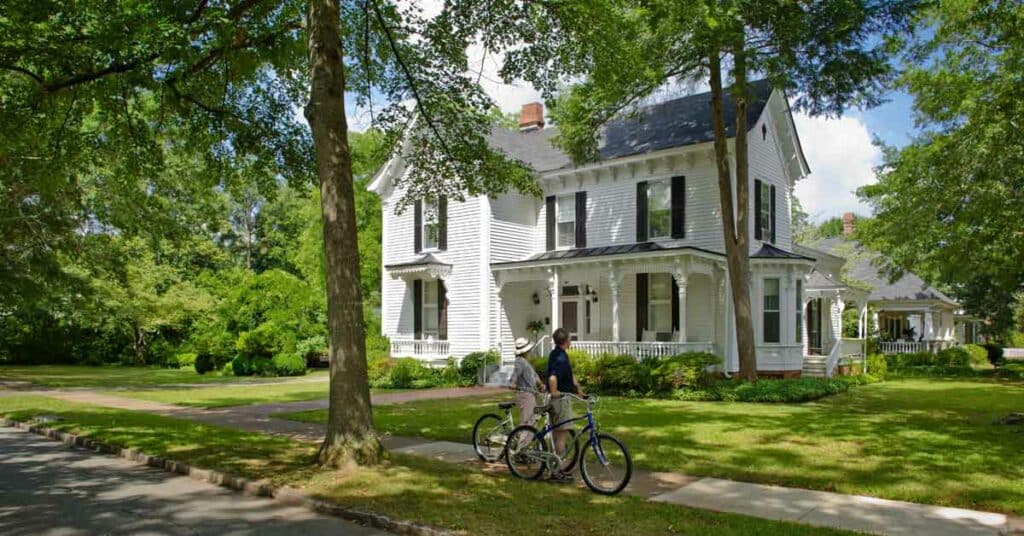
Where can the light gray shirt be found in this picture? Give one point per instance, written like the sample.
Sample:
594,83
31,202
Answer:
524,378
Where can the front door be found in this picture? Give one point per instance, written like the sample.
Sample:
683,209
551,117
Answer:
814,327
570,318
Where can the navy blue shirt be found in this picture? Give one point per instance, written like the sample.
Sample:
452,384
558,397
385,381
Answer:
559,367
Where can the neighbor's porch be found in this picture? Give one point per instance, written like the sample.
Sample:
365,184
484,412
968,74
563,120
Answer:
908,328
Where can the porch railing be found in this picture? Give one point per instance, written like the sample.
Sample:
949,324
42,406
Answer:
910,347
843,349
421,348
642,350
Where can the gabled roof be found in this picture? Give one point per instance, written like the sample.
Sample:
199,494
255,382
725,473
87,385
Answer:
861,267
666,125
817,280
426,259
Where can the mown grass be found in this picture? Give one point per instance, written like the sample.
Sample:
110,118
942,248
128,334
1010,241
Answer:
440,494
117,376
922,440
237,395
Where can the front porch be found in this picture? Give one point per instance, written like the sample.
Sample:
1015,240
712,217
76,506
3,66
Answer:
911,328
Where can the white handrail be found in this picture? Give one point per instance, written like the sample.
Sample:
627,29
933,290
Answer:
833,358
642,350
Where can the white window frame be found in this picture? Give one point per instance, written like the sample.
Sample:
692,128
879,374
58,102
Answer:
653,304
428,310
765,310
764,219
570,201
651,198
431,220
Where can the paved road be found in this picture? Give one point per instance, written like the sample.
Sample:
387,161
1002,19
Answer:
47,488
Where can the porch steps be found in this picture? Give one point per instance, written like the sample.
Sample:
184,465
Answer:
500,377
814,366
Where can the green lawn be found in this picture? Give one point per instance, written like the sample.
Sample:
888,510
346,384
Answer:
920,440
117,376
432,492
237,395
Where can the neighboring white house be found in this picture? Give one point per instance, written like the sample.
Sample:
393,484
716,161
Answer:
627,253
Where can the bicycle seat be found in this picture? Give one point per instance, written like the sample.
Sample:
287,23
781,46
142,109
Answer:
506,405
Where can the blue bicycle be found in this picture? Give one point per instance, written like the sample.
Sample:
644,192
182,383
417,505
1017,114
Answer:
605,464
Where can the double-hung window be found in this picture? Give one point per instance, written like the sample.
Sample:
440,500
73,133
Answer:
764,216
566,221
431,225
770,310
659,303
430,313
659,209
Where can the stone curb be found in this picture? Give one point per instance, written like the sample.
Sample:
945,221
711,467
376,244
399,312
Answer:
284,494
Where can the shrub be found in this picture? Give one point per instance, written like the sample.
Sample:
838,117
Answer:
182,360
773,391
378,367
978,355
206,362
688,370
620,374
540,364
995,354
954,356
451,375
877,366
312,349
470,366
405,372
289,364
583,365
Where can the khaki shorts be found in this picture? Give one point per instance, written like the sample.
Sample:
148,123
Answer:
561,411
527,402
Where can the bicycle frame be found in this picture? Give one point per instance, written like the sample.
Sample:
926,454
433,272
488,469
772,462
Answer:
591,427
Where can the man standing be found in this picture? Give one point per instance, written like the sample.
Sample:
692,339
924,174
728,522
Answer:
561,382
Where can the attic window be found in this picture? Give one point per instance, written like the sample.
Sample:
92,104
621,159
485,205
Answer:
764,131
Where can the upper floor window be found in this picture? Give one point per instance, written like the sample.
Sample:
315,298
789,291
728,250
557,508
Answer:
431,225
770,310
659,209
567,221
764,211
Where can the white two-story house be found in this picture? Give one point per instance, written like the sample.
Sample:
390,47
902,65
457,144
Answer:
627,254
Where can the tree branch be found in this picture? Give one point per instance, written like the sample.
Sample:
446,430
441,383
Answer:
38,79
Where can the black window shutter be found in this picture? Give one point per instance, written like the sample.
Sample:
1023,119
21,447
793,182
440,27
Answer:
581,219
417,308
757,210
641,305
442,220
678,207
550,208
418,223
675,305
442,311
641,212
773,213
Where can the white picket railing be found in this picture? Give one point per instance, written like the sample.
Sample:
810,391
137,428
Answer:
641,350
910,347
432,349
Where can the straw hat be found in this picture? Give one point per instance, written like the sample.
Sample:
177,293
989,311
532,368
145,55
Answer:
523,346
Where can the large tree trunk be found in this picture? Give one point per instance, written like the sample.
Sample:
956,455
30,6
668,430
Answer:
734,227
351,438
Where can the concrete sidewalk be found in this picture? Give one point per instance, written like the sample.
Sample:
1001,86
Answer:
820,508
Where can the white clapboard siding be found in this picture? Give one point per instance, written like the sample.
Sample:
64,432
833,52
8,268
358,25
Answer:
513,222
766,165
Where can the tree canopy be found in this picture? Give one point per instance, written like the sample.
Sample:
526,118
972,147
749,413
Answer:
949,203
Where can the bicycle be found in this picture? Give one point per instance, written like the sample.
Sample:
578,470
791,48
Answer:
605,463
491,432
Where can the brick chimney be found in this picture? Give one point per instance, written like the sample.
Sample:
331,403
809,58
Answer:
531,117
848,223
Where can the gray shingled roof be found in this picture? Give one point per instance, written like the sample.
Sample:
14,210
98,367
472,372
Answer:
426,259
861,268
674,123
819,281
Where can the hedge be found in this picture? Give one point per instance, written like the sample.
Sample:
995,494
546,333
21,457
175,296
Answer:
773,391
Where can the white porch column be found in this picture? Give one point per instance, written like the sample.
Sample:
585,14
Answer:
553,288
929,328
682,279
874,318
803,322
498,336
615,288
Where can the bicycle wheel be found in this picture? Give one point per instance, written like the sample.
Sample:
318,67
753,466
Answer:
489,435
570,462
525,453
605,465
